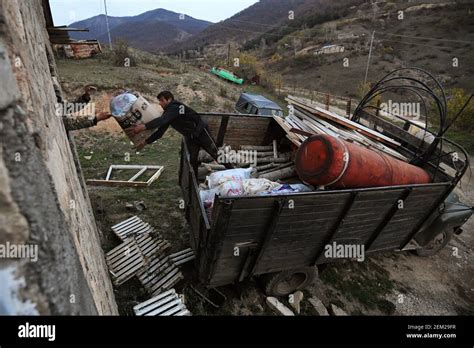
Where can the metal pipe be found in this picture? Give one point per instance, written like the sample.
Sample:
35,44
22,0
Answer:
107,23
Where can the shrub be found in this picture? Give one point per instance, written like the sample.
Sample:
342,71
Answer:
250,65
456,99
122,56
363,89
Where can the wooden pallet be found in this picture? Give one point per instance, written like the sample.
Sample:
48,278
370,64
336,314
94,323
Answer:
131,226
165,304
150,244
182,256
124,261
159,274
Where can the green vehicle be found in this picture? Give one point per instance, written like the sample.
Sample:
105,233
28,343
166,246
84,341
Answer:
227,75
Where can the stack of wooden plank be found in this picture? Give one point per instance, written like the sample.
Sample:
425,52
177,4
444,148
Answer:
307,119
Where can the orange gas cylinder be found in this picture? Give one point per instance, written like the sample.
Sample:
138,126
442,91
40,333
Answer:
323,160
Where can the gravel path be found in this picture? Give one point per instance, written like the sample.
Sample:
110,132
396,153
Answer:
442,284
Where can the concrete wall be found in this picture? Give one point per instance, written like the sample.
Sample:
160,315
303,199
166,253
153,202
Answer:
43,202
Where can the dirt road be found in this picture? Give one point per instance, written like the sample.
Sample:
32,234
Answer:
442,284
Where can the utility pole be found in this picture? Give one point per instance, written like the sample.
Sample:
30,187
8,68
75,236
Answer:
107,24
368,59
228,55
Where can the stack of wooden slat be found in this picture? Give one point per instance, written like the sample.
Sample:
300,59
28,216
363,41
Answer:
308,119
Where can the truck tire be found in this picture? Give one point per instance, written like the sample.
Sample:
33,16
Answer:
286,282
436,244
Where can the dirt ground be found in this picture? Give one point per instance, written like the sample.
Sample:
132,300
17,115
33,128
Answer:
442,284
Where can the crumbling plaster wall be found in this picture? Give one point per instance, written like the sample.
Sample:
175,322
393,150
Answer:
42,198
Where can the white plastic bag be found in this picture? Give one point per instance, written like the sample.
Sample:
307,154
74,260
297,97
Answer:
237,175
231,189
257,186
121,104
208,195
301,188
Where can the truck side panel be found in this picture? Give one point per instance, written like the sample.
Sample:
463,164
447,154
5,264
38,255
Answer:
412,211
195,213
238,131
275,233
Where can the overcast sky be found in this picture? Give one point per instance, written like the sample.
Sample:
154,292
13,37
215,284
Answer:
68,11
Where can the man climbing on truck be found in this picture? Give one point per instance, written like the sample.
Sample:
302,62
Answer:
187,122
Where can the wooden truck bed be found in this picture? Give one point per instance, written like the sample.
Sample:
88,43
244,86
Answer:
256,235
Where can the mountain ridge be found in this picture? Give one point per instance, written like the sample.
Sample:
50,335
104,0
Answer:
168,27
246,24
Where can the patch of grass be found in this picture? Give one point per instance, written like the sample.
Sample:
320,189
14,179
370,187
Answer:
209,100
162,197
228,106
223,92
130,294
364,282
100,71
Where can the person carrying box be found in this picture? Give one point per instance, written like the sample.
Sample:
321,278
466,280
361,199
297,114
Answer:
187,122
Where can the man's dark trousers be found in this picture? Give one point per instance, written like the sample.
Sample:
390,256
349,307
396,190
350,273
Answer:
206,142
